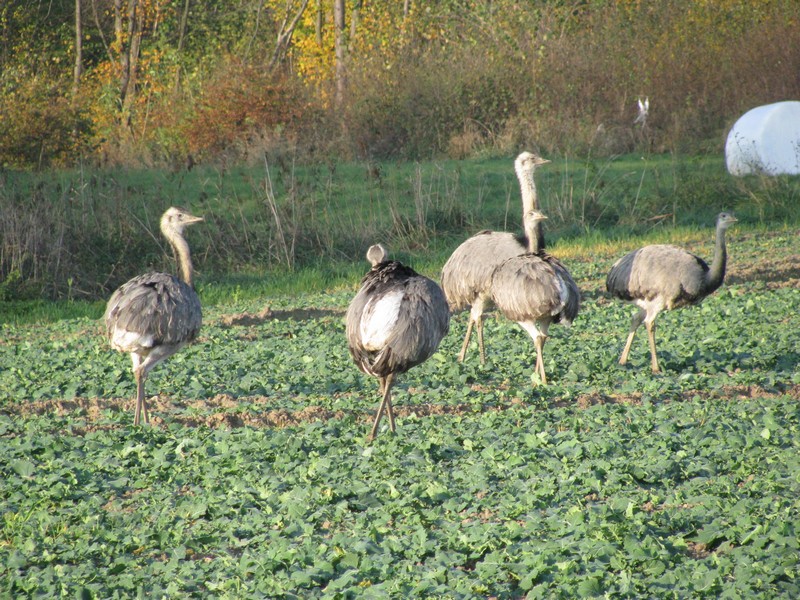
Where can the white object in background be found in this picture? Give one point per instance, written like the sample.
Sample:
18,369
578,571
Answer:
765,140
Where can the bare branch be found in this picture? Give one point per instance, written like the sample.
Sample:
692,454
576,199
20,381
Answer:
286,32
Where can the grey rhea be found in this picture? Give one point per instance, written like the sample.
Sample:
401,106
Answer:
467,274
396,321
663,277
154,315
535,290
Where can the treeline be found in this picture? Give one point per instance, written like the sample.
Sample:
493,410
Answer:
169,83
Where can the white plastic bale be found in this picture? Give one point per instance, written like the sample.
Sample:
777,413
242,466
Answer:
765,140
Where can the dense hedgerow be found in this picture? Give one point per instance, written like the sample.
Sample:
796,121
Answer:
447,80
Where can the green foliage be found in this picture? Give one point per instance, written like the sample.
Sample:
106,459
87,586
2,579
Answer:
701,64
10,284
41,126
610,481
450,100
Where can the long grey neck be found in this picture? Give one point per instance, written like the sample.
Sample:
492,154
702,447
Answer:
528,189
530,201
539,235
534,235
183,256
716,274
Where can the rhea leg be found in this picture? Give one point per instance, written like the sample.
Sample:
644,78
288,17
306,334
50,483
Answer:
463,353
539,341
651,336
480,340
386,404
387,392
140,376
538,333
141,404
636,320
142,365
475,318
390,411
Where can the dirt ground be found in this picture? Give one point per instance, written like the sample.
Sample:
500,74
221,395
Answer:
220,411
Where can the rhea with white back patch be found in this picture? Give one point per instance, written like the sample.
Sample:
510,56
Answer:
394,322
379,318
130,341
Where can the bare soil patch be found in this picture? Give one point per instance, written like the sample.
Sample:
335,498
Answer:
223,410
246,319
732,393
775,272
698,551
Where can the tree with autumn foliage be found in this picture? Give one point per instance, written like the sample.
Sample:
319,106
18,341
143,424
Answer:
156,81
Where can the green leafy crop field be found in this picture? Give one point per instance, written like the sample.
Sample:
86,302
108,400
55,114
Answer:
256,480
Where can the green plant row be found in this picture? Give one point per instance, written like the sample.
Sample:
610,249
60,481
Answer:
256,479
663,500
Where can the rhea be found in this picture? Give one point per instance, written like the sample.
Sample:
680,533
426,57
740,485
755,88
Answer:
535,290
395,322
664,277
154,315
467,274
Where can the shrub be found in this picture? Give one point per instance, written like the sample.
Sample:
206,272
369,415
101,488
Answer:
243,107
430,103
40,127
700,63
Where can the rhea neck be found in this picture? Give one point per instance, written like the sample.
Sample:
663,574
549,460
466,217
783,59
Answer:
528,188
534,233
716,274
181,249
530,201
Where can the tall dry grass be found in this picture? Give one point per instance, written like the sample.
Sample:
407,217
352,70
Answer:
567,79
81,234
700,63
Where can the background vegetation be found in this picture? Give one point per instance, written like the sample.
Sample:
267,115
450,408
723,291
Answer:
305,130
174,82
77,234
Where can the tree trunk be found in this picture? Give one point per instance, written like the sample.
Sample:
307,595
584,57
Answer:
256,27
78,70
286,32
354,14
120,44
339,26
100,31
319,21
181,37
127,42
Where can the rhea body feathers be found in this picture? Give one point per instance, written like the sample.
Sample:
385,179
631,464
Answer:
154,315
665,277
539,286
467,274
395,322
535,290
